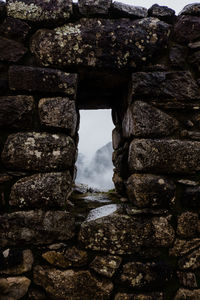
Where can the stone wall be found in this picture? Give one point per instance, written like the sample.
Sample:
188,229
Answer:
57,57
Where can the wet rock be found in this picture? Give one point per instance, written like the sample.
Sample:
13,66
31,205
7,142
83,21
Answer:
14,29
178,56
144,120
123,10
187,226
13,288
106,265
35,227
164,156
91,7
190,261
187,279
2,10
16,111
187,294
108,46
59,113
146,190
182,247
46,190
176,85
187,29
66,285
42,80
70,257
15,262
163,13
38,151
151,296
39,11
191,9
122,234
10,50
140,275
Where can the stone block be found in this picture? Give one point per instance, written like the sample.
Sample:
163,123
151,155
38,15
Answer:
67,285
16,111
164,156
187,29
191,10
101,43
35,227
143,296
187,279
183,247
123,10
163,13
59,113
38,152
187,294
106,265
187,224
94,7
11,51
14,29
44,190
14,288
42,80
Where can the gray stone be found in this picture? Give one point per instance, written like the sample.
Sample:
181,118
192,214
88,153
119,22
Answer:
122,234
16,111
129,11
187,294
35,227
67,285
14,29
59,113
116,43
117,138
45,190
167,85
187,279
39,11
106,265
141,275
42,80
191,9
15,262
94,7
144,120
146,190
164,156
13,288
146,296
38,151
178,56
163,13
183,247
187,224
10,50
187,29
70,257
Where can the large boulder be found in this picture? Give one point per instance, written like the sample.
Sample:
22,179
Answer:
38,151
100,43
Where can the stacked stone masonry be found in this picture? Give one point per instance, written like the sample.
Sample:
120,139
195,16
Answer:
57,57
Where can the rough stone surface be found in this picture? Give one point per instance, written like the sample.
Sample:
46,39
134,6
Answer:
130,11
146,296
163,13
2,10
187,279
59,113
35,227
187,29
70,257
187,294
35,294
122,234
116,43
38,151
46,190
67,285
42,80
191,9
146,190
13,288
16,111
165,85
38,10
177,56
94,7
191,261
141,275
106,265
15,262
182,247
14,29
10,50
164,156
187,224
144,120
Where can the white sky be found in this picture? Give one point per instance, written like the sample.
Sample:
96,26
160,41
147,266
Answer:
96,125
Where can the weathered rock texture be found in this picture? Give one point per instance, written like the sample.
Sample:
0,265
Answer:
57,57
